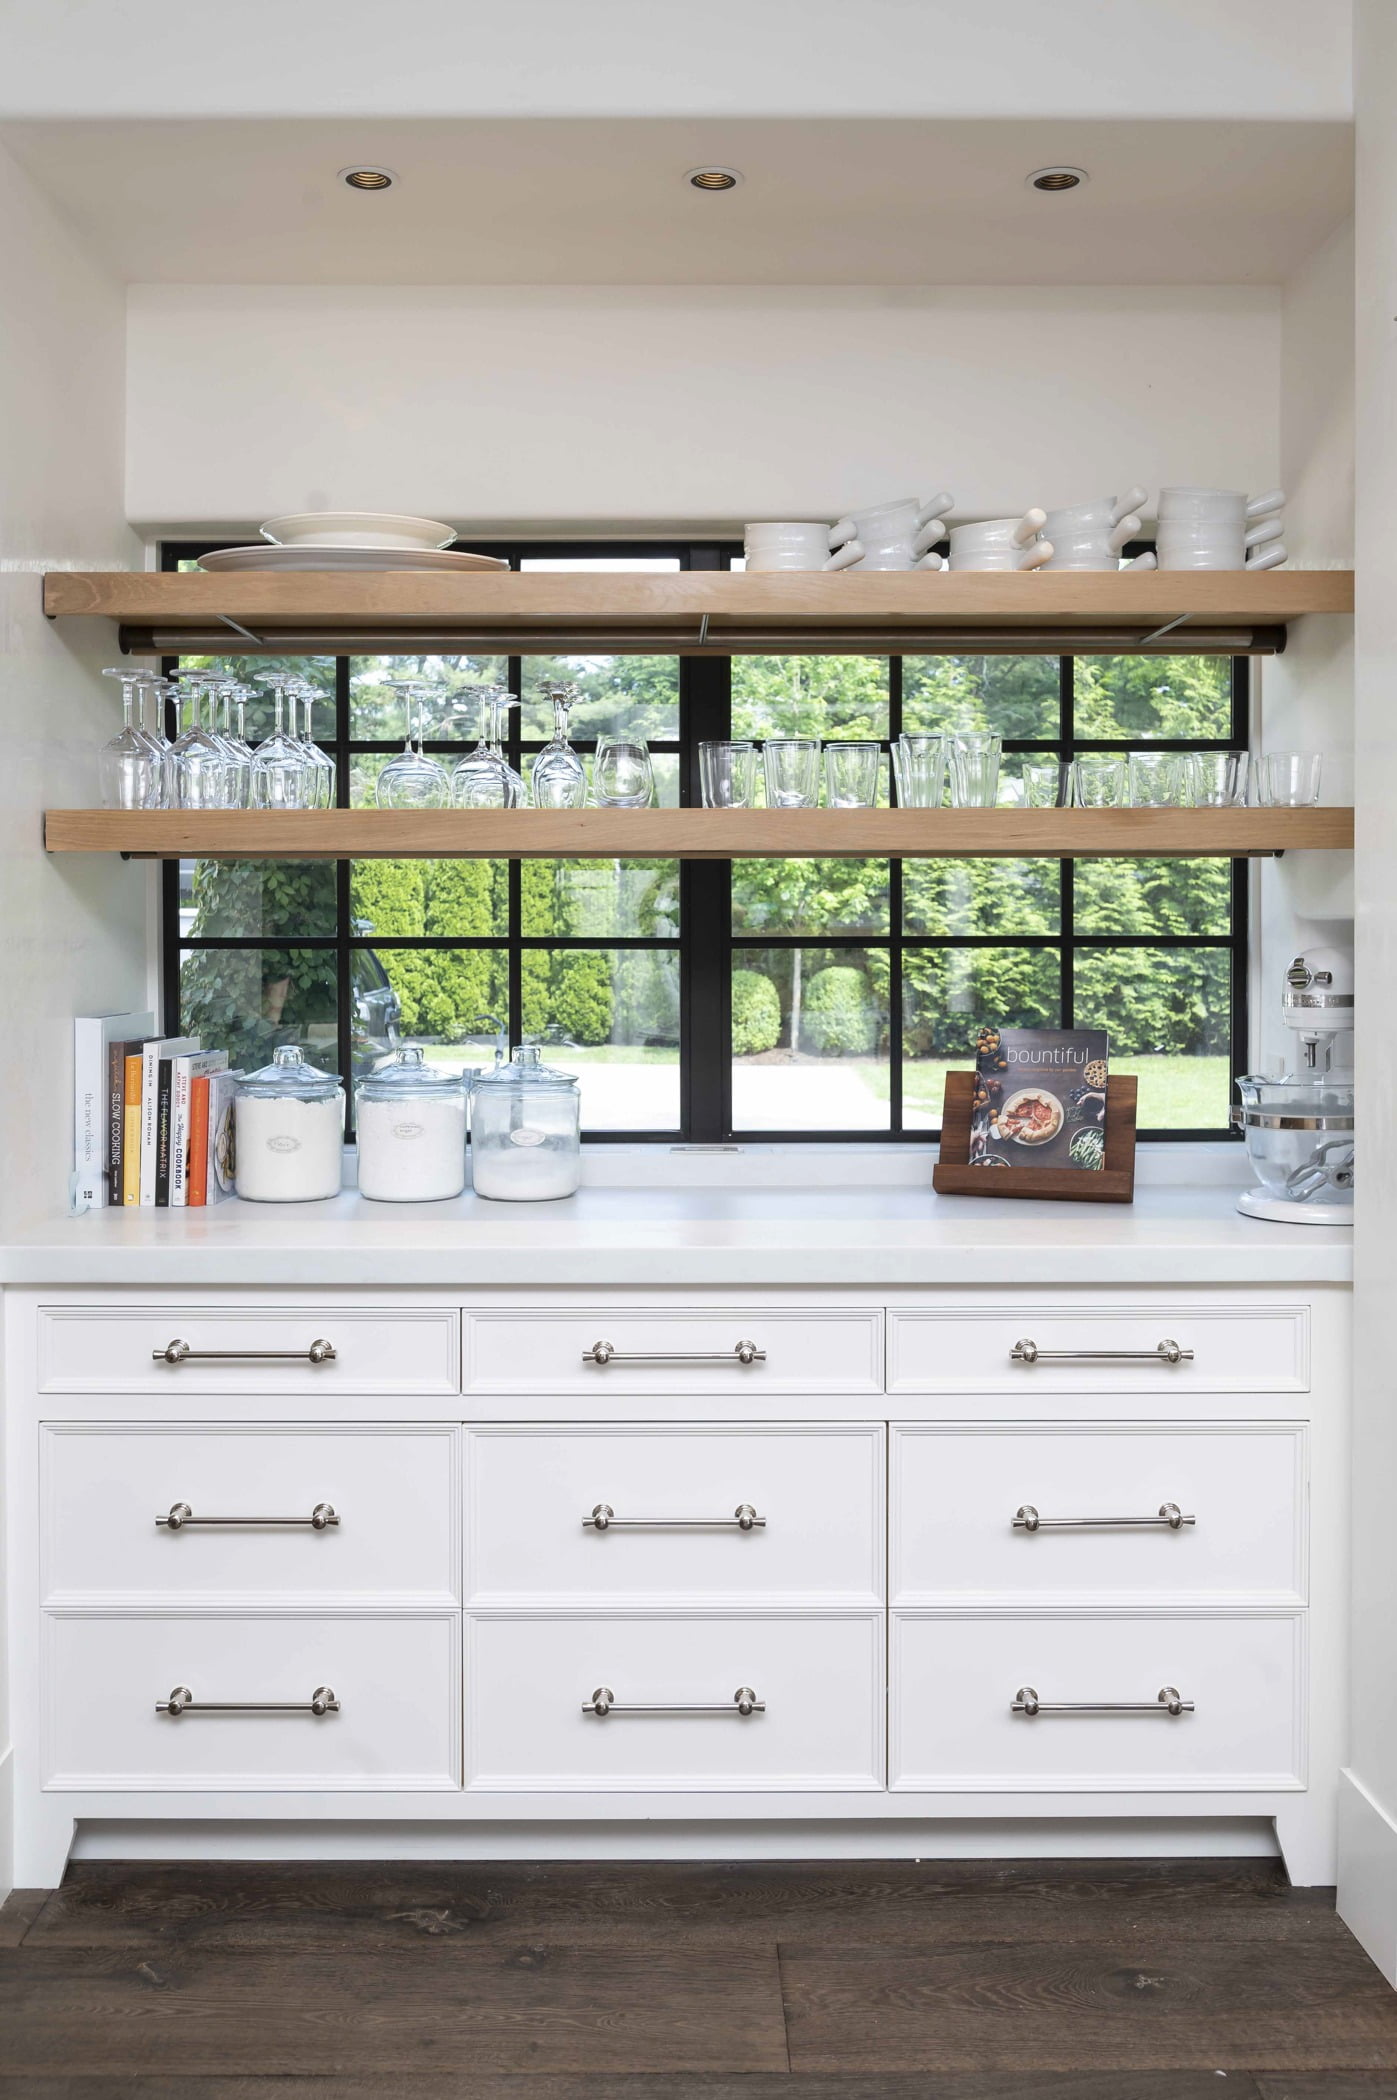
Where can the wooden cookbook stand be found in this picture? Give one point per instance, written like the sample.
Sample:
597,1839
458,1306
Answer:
953,1174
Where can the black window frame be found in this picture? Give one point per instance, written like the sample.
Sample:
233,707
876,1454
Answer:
706,943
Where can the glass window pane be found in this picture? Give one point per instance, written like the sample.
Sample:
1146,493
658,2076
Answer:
1153,896
1016,696
612,1017
824,696
254,671
996,897
1148,696
810,1039
810,896
1168,1013
599,899
431,996
256,899
248,1000
403,899
377,708
620,696
947,994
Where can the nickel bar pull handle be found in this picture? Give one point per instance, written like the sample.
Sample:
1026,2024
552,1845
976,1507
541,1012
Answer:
322,1701
743,1518
744,1703
1026,1701
1171,1517
604,1353
182,1518
180,1353
1162,1353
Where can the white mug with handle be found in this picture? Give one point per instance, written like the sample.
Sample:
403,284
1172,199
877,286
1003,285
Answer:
899,535
1091,535
1002,543
1220,529
798,545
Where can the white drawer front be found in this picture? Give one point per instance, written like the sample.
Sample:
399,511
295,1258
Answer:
113,1350
535,1497
675,1352
954,1681
956,1493
820,1680
1236,1349
397,1681
393,1493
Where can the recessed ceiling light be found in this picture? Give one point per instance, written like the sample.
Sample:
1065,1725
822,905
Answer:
368,178
713,178
1057,178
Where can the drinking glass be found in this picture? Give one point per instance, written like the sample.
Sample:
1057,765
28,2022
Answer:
1216,779
1100,783
484,778
851,774
728,771
622,777
792,766
559,778
236,748
130,767
1157,780
150,720
974,770
1047,786
1289,779
323,786
196,765
919,768
411,780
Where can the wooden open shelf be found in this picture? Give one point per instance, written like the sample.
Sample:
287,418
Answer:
693,834
1227,612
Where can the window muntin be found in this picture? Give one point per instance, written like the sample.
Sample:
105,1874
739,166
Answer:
641,974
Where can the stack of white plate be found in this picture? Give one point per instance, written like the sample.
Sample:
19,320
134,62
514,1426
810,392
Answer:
352,540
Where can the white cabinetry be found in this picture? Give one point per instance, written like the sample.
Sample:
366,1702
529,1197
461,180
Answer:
892,1569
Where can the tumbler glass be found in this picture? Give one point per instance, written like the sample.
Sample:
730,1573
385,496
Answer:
1047,786
1289,779
851,774
622,777
974,770
728,772
1099,783
919,768
1156,780
792,765
1216,779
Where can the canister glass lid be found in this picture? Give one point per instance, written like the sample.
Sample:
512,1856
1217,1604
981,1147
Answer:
407,1075
526,1069
289,1077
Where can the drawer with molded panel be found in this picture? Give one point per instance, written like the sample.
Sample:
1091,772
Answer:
1163,1351
736,1355
248,1349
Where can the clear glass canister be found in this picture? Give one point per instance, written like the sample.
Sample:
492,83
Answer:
411,1124
526,1124
288,1132
1299,1135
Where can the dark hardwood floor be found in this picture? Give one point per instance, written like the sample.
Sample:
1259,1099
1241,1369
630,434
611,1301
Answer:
1091,1980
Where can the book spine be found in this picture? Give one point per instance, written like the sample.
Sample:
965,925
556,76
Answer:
180,1081
150,1098
198,1142
222,1090
89,1096
163,1118
117,1053
131,1138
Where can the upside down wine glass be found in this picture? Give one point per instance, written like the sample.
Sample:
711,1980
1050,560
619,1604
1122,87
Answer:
484,778
412,780
196,765
559,778
129,767
282,776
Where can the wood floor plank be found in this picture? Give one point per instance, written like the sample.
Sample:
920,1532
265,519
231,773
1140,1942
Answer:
1214,2005
443,2005
18,1912
1327,2085
370,1908
995,2085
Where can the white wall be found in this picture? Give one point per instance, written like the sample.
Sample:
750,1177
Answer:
1170,58
1306,694
526,408
75,930
1368,1805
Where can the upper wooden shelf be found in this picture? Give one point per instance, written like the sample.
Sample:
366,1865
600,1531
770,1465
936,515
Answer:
693,834
1225,611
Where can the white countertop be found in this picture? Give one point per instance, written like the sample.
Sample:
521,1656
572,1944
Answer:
1187,1233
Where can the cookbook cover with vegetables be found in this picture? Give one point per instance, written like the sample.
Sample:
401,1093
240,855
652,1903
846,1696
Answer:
1040,1098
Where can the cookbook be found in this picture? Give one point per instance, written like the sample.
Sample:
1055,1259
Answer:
1040,1098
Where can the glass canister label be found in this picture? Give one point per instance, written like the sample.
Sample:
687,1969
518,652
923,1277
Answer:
525,1136
283,1144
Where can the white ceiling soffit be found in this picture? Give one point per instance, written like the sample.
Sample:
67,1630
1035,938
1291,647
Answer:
956,58
824,201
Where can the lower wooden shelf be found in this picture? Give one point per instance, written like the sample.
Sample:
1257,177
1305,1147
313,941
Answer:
694,834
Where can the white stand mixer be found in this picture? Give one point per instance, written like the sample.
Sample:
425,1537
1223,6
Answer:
1299,1130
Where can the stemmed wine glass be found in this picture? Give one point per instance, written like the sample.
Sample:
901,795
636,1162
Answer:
282,776
559,778
160,690
484,778
129,766
412,780
324,765
196,765
235,745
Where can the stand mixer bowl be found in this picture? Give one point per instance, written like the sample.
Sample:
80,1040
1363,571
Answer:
1299,1136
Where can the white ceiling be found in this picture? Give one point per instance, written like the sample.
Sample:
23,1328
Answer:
825,201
